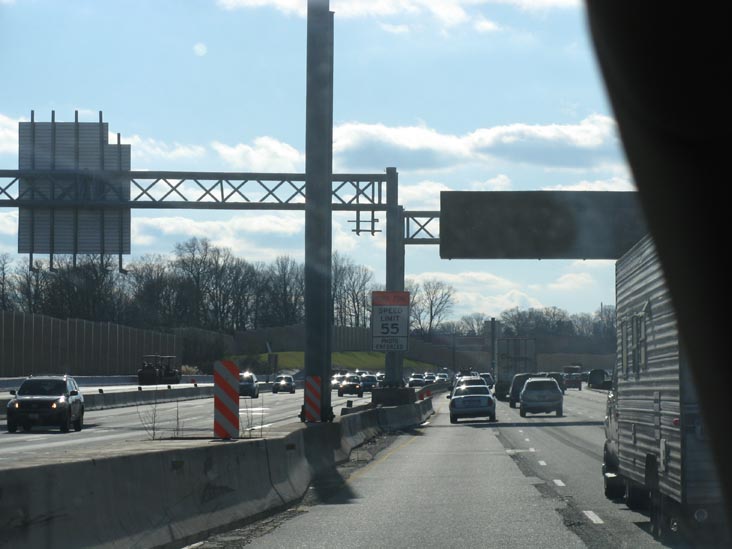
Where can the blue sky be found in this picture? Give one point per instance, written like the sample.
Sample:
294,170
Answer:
456,94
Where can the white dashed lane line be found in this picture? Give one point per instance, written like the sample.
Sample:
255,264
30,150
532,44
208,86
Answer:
558,482
593,517
527,440
542,463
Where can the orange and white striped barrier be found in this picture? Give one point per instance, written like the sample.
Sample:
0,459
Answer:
226,400
312,398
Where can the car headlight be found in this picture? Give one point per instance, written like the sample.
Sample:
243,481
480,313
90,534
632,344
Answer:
14,404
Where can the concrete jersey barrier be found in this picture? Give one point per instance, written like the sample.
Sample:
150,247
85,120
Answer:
177,493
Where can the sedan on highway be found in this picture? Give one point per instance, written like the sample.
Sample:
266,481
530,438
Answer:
472,401
248,385
416,380
541,394
351,385
46,401
283,384
368,382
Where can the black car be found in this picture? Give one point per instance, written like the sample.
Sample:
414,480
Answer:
368,382
351,384
517,385
51,401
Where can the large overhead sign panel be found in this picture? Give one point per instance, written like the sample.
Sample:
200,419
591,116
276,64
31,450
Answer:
72,162
539,224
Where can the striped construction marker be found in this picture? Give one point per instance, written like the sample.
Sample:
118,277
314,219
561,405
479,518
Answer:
226,400
312,398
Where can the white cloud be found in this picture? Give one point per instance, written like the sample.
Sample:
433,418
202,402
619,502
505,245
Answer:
591,142
447,12
493,305
288,7
266,155
572,281
425,195
9,222
200,49
499,183
539,5
477,280
485,25
394,29
242,234
9,134
146,149
612,184
592,264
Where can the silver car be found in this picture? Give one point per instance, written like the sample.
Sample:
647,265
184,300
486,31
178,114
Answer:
541,394
472,401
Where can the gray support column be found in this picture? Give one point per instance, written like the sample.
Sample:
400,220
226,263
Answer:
318,190
494,351
394,264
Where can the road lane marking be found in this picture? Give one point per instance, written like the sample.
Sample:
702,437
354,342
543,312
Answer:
593,517
558,482
527,440
532,449
521,431
542,463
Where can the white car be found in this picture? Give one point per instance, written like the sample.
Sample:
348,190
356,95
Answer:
472,401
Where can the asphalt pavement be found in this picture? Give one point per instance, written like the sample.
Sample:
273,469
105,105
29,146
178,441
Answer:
518,482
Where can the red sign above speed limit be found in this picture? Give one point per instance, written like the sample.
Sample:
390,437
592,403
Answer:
389,321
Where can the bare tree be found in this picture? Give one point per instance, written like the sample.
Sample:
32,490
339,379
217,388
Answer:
7,301
431,303
473,324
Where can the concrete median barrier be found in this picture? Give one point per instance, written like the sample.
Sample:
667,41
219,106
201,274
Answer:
182,489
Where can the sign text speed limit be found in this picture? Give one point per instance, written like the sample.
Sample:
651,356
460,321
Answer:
389,321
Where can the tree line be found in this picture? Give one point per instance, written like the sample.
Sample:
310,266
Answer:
201,285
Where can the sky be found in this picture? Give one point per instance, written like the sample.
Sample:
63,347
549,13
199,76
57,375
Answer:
456,94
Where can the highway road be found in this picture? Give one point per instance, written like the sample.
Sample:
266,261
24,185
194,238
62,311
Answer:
118,427
518,482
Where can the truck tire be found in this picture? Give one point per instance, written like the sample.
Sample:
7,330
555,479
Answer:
453,419
522,412
512,403
560,412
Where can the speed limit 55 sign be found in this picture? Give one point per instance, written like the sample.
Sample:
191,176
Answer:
389,321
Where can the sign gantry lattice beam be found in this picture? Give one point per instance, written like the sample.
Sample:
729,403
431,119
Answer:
183,190
422,227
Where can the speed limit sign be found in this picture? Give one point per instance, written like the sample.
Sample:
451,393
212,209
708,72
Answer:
389,321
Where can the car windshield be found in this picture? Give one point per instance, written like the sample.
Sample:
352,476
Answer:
339,186
475,390
472,382
42,387
541,385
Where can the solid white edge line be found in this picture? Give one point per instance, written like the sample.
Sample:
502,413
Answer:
558,482
593,517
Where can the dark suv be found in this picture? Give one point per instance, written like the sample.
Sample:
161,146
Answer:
47,401
517,385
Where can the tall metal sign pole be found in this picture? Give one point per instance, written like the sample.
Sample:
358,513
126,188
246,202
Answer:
318,223
394,265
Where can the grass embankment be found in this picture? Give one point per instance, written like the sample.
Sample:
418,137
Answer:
351,360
